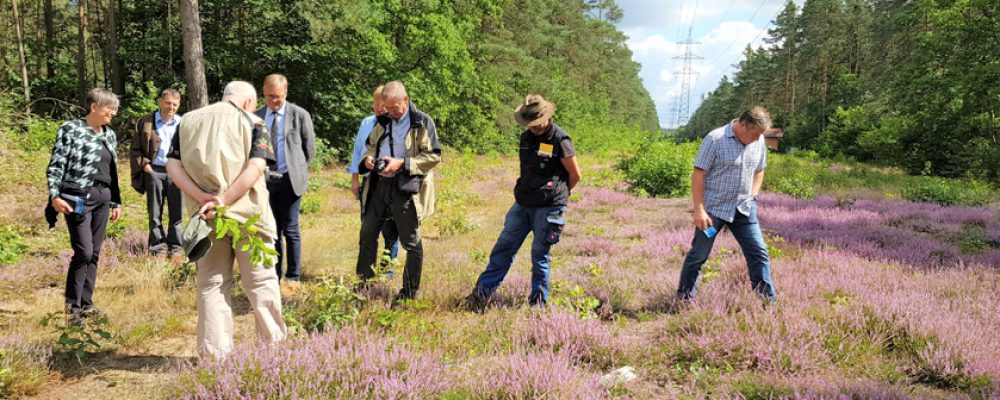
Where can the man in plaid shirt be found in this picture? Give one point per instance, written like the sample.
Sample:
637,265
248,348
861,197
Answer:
727,177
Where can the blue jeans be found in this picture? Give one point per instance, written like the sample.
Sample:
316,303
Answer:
519,221
746,230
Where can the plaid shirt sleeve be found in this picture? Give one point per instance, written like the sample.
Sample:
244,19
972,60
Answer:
706,154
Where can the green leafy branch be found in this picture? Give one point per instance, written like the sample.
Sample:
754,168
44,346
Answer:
76,339
260,253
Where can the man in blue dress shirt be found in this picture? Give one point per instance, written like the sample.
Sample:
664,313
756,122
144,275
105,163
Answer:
389,232
153,134
294,140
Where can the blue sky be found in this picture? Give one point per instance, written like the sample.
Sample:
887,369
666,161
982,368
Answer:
723,27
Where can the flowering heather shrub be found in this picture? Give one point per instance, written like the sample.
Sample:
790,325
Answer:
345,364
23,366
541,375
591,198
132,243
592,246
582,340
914,234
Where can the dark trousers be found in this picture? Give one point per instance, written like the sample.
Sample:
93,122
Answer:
389,234
286,205
387,201
86,235
159,189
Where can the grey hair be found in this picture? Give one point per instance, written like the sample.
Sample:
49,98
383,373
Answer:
393,90
101,97
758,117
238,91
169,92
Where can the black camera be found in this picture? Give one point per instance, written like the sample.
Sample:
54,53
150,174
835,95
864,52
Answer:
272,176
380,165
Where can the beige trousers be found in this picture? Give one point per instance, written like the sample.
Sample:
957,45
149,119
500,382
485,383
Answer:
215,286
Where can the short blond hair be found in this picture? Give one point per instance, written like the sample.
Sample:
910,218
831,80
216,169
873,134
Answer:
276,80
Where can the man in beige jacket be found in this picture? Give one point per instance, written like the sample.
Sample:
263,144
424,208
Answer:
217,158
402,151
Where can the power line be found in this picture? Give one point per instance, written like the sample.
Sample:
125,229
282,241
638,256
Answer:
734,41
686,74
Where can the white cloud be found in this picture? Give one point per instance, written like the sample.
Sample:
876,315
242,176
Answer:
723,29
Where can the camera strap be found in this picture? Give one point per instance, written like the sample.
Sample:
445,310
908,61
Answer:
378,144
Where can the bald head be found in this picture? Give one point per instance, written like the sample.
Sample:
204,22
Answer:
242,94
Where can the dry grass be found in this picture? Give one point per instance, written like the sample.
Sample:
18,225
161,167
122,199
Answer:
625,250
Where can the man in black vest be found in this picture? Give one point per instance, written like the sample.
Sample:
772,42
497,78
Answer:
548,173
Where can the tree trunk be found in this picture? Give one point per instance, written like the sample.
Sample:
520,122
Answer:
24,66
170,38
49,40
117,83
81,52
194,59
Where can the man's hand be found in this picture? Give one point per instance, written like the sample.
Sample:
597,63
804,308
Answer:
369,163
61,206
116,213
393,165
148,168
207,210
355,186
701,218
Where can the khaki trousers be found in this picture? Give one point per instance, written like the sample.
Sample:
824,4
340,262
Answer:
215,286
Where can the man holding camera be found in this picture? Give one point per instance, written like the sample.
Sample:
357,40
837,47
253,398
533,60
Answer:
389,233
294,140
402,151
728,174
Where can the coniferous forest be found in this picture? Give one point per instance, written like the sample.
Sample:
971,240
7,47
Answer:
904,83
468,62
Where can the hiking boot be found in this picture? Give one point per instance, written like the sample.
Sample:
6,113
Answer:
90,311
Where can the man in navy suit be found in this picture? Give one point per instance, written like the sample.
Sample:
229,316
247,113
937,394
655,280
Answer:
294,140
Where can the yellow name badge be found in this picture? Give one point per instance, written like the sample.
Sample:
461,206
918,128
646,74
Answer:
545,150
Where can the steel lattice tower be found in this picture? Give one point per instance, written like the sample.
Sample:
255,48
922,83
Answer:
686,74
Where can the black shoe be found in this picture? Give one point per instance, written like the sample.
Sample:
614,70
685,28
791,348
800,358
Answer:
90,311
475,302
401,297
74,317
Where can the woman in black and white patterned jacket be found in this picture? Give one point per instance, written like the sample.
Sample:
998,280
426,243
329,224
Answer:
83,185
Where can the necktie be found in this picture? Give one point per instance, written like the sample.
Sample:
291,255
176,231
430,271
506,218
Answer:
274,129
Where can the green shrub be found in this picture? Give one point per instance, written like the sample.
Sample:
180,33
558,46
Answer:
800,185
325,154
77,339
11,246
41,133
332,303
310,205
662,168
948,192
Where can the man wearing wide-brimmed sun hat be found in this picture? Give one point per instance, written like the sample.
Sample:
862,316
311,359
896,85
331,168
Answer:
548,172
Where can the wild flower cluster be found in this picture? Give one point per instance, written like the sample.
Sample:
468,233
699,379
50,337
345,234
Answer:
342,364
915,234
355,363
23,365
